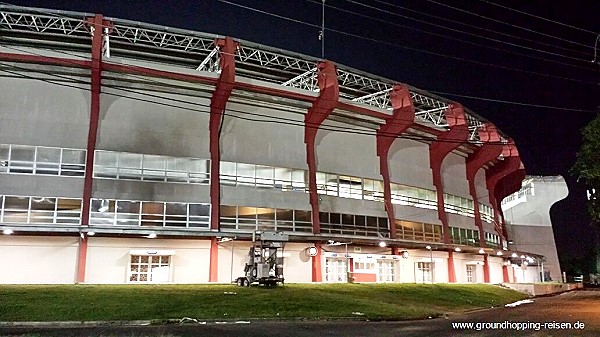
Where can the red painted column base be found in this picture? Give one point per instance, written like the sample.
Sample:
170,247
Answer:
486,269
213,274
451,270
505,277
317,275
81,258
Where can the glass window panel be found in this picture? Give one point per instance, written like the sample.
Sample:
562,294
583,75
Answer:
124,206
360,220
303,216
335,218
156,208
371,221
103,205
383,223
20,203
175,208
4,149
323,217
284,174
199,165
245,170
348,219
130,160
299,176
70,156
226,211
228,168
69,204
265,213
177,164
247,212
42,204
154,162
22,153
48,155
264,172
201,209
284,215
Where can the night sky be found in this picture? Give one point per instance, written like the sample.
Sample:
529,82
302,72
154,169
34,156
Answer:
469,48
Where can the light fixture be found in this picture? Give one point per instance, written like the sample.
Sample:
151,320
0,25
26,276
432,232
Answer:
525,263
225,240
481,251
7,231
428,247
522,256
91,233
457,249
151,236
312,251
404,254
514,255
530,259
499,253
382,244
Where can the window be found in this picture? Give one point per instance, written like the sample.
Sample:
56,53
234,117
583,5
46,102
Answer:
247,218
463,236
349,224
386,271
136,166
417,231
424,272
471,273
40,210
27,159
149,213
150,269
365,266
336,269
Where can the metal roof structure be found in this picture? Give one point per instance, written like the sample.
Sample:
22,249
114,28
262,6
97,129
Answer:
123,38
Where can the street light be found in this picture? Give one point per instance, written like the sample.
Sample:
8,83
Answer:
430,261
382,244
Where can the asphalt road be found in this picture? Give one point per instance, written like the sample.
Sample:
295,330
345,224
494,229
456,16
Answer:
553,313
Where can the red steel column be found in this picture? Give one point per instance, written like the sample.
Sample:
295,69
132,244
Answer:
213,275
320,109
317,274
487,152
451,268
402,118
438,150
219,99
97,24
495,174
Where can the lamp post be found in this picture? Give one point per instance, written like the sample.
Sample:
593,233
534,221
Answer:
430,263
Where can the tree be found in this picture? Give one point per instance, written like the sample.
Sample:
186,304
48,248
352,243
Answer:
587,166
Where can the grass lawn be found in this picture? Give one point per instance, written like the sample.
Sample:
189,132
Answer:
158,302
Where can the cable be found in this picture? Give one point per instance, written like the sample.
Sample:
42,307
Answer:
480,28
467,33
505,23
409,48
539,17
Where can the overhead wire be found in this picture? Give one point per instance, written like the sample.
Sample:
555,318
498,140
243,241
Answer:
466,33
506,23
538,17
493,31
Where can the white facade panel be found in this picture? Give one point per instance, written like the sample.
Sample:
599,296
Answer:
37,259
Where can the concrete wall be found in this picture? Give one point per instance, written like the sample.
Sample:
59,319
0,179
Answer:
37,259
454,176
409,163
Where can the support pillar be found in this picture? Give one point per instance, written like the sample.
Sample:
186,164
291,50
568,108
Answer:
451,268
439,149
213,274
97,24
402,118
218,101
319,111
486,269
505,277
317,274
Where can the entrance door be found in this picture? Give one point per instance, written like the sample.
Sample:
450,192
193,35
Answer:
335,269
386,271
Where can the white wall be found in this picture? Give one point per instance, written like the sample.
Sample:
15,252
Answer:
108,258
409,163
38,259
454,176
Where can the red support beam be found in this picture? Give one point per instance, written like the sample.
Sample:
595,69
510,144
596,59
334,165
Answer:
486,269
213,274
317,275
318,112
451,268
56,61
97,23
486,153
494,176
402,118
440,148
218,101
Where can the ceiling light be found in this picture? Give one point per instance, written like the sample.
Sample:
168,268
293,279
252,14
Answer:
382,244
499,253
457,249
481,251
151,236
428,247
91,233
514,255
8,231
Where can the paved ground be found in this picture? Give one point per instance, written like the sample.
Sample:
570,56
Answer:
574,308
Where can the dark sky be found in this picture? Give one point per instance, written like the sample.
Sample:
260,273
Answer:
473,49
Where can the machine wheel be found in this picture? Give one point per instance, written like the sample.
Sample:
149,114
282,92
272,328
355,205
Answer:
240,282
246,283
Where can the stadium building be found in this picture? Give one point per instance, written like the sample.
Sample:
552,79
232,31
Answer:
133,153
